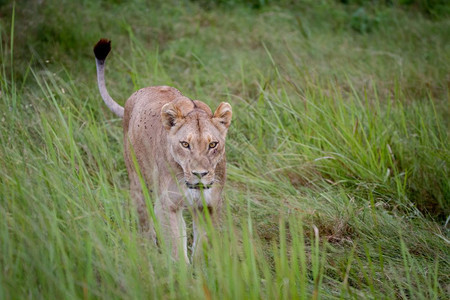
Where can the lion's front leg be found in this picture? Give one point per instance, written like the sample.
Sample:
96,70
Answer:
200,233
145,224
200,237
173,228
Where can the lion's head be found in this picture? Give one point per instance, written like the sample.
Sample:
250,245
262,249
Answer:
196,138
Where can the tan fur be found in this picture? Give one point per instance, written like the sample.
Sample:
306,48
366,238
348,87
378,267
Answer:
178,146
156,120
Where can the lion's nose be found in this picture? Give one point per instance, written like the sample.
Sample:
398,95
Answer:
200,174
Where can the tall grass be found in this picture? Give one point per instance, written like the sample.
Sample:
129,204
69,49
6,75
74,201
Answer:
337,155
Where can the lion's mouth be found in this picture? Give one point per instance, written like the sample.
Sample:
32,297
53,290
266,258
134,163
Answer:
198,186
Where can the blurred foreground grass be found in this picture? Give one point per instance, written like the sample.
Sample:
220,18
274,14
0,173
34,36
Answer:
337,156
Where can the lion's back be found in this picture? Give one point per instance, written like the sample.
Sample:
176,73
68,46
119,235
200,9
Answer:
143,130
148,102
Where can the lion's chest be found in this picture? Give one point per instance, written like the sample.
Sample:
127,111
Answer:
196,197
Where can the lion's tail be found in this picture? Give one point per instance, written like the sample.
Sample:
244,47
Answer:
101,50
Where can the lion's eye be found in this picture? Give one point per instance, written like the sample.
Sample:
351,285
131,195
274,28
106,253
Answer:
185,144
212,145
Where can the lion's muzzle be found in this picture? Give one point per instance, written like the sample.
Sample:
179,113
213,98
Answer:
199,186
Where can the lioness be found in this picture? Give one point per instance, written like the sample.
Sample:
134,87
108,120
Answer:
177,145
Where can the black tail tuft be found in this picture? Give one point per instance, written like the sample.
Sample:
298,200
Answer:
102,48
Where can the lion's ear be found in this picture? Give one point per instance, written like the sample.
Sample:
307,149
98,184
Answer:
170,114
223,114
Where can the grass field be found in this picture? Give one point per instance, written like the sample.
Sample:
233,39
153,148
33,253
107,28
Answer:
338,153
